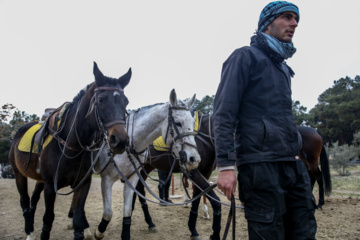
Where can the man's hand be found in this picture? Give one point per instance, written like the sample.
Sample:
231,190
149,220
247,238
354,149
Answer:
227,182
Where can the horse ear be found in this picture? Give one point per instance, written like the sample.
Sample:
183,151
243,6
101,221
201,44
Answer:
125,79
191,101
173,98
98,74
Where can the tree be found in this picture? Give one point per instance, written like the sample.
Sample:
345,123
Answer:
8,128
341,157
206,105
356,143
337,114
299,113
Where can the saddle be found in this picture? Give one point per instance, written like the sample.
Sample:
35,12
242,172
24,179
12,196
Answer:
50,119
51,122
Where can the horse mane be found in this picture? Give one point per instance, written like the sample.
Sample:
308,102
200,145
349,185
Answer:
180,102
144,108
81,93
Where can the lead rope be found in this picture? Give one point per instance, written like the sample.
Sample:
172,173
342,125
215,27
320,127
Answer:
149,190
231,216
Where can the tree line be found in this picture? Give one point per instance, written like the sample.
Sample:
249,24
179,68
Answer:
336,115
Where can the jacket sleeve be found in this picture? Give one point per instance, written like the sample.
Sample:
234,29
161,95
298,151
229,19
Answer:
234,80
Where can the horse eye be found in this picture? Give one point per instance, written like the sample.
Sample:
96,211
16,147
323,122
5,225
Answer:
100,99
178,124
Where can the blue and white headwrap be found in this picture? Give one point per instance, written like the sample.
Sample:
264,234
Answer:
273,10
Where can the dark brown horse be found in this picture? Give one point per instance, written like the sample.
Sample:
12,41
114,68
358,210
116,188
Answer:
95,117
164,160
312,153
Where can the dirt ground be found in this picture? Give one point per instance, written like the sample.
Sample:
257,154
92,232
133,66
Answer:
339,219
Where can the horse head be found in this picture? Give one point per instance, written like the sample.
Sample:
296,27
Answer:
109,104
179,132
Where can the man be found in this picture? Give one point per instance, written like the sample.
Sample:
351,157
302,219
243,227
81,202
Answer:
253,101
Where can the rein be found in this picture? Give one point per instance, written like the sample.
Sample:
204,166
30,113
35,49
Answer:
163,202
231,217
92,148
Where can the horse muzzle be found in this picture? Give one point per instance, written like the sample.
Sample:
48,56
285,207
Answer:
118,139
190,162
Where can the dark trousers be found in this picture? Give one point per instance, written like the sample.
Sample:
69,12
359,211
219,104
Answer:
164,186
278,200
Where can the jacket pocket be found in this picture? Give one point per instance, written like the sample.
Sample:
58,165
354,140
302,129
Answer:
281,136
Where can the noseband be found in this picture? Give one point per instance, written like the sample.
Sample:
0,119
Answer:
171,127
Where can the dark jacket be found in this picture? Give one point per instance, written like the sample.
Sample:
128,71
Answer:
253,101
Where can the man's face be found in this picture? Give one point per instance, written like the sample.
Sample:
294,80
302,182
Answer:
283,27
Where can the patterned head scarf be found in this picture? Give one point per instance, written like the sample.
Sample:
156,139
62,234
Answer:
273,10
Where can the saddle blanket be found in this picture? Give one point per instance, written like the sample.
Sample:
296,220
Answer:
160,145
25,142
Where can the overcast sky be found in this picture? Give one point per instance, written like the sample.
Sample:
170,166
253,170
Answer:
47,48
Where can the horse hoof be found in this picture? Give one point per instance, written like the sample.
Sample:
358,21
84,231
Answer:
152,230
212,237
98,235
87,234
31,236
195,238
206,216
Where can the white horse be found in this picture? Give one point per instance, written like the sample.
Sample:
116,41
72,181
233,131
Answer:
174,122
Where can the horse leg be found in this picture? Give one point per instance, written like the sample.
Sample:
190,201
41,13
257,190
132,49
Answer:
87,232
317,176
48,218
71,215
80,222
22,187
193,218
106,191
216,206
144,206
35,197
127,207
205,209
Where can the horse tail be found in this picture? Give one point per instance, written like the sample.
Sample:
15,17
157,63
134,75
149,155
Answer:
325,169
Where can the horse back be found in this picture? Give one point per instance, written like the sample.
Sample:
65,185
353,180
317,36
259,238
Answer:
20,160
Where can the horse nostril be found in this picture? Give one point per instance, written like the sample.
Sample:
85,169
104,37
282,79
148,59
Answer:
192,159
183,156
113,141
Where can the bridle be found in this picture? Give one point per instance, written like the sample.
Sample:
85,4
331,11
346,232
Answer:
93,105
93,147
170,128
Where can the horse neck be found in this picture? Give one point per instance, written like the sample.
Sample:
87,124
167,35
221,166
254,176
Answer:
146,125
76,121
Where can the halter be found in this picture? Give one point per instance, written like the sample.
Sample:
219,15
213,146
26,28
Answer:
171,127
92,148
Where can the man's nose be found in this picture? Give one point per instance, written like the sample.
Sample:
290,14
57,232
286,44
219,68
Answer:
294,22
